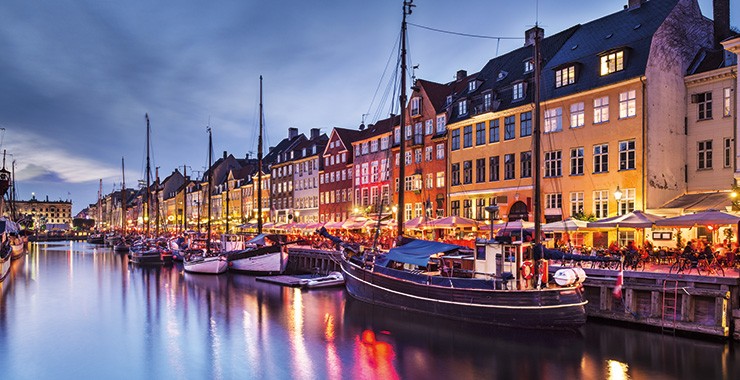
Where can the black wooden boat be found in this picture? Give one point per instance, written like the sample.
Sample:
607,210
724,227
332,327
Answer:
398,280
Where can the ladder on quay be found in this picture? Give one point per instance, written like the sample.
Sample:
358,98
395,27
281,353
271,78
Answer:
670,306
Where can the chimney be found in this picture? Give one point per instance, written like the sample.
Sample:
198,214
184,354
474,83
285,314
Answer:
461,74
292,133
721,9
530,34
224,155
314,133
633,4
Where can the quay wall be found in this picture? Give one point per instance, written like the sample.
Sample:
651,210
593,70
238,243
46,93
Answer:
708,305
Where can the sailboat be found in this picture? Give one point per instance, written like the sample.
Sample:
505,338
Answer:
148,251
501,284
121,245
8,228
205,260
265,254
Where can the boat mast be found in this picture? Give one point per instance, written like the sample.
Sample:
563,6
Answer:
156,201
537,190
210,184
407,5
123,198
185,199
100,204
148,183
259,168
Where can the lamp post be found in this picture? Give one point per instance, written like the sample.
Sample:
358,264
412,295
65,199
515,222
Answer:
492,215
618,197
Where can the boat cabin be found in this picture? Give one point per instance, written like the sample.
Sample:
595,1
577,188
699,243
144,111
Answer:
505,259
233,242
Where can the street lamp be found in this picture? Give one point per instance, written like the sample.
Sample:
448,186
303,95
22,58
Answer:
493,215
618,197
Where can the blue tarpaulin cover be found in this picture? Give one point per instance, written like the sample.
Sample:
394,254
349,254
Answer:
416,252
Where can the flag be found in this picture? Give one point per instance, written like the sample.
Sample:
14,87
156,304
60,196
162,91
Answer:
618,288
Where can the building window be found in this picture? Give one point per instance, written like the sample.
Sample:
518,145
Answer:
407,211
509,171
518,91
480,134
601,203
566,76
418,133
553,163
415,106
480,170
455,208
384,143
429,127
612,62
627,203
576,203
554,200
468,172
467,136
509,127
704,102
440,151
455,144
576,161
494,134
472,85
467,208
577,115
525,124
727,153
528,66
408,157
441,122
428,153
480,208
705,154
627,104
554,120
627,155
601,110
601,158
493,163
462,108
455,174
487,101
525,159
417,155
727,102
440,179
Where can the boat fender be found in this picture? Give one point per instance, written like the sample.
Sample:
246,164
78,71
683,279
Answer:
527,270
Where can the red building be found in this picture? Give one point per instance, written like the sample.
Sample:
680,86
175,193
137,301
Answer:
335,181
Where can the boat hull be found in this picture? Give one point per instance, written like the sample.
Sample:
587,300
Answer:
150,258
552,308
4,267
260,263
18,250
207,265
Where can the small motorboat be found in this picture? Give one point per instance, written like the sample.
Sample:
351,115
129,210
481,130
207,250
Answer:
332,279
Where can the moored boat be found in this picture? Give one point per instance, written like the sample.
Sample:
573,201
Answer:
331,279
201,262
266,254
149,253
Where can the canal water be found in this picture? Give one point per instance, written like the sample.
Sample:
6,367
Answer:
76,311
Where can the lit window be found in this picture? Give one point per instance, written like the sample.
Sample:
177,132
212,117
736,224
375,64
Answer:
727,102
612,62
566,76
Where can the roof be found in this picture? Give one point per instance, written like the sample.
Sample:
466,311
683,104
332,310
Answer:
629,29
380,127
701,201
711,59
436,93
348,136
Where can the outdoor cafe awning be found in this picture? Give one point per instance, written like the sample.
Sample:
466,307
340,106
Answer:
704,218
634,219
719,200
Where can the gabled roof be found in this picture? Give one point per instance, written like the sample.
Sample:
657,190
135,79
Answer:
380,127
284,146
348,136
436,93
711,59
630,29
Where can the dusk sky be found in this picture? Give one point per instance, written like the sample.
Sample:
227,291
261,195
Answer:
77,76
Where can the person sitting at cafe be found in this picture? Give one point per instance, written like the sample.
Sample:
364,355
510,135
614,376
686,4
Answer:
690,254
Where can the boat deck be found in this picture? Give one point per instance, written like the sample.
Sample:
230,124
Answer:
286,280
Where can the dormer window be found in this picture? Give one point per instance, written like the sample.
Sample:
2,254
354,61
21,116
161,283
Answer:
487,98
449,100
528,66
612,62
415,106
565,76
304,152
313,149
472,85
462,108
518,91
501,75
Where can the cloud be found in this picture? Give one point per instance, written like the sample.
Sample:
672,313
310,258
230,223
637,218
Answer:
41,158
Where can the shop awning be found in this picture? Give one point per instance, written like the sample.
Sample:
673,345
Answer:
719,200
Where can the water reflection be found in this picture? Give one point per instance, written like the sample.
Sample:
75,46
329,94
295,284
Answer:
90,314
